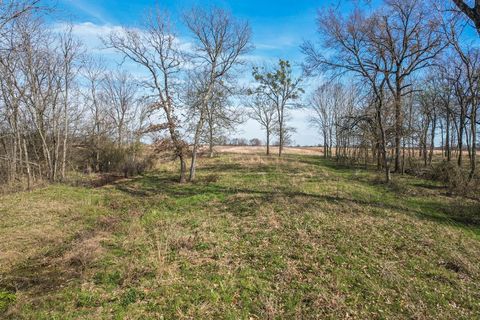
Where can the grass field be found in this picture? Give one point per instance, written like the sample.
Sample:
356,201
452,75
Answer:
254,238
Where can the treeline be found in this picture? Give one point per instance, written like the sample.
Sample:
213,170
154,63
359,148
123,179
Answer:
62,109
402,90
404,86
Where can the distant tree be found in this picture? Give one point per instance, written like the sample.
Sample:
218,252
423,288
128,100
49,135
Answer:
255,142
238,142
326,103
282,90
263,112
120,94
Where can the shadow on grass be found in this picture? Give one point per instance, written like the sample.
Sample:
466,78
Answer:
329,163
429,186
465,216
460,214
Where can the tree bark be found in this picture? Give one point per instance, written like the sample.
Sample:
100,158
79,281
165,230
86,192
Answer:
27,164
268,142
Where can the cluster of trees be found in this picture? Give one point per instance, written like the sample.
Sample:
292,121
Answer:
414,84
277,91
404,85
62,108
199,81
36,70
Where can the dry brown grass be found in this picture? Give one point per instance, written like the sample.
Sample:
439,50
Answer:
273,150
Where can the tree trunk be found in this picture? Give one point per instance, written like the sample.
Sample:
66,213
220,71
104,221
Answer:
460,138
432,138
398,127
383,142
196,142
473,156
193,165
280,147
65,125
447,137
268,142
325,144
27,164
183,169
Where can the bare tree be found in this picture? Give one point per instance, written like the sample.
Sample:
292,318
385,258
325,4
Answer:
119,93
220,41
157,51
70,51
472,12
467,88
265,114
327,102
222,117
352,54
406,35
94,74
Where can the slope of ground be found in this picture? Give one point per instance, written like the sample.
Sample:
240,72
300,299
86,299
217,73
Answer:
254,238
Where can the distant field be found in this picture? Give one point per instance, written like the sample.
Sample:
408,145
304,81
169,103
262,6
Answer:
255,238
273,150
297,150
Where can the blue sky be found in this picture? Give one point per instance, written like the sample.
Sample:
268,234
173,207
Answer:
279,27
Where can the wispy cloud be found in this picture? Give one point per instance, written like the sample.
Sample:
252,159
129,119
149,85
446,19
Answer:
90,9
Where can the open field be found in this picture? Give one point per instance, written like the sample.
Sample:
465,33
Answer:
273,150
255,238
305,150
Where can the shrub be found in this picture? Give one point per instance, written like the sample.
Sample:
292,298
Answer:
453,176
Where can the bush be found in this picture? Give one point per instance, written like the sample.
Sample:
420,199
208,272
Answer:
453,176
132,167
130,161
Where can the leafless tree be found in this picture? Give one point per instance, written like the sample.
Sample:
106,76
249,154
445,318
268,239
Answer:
70,52
119,93
467,87
219,42
94,75
353,53
265,114
327,102
157,50
222,117
471,11
407,36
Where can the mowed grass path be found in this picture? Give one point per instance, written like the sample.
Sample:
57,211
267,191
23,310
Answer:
254,238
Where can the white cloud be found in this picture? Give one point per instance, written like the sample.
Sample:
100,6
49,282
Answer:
89,9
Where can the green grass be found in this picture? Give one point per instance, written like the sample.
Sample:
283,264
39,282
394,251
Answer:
254,238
